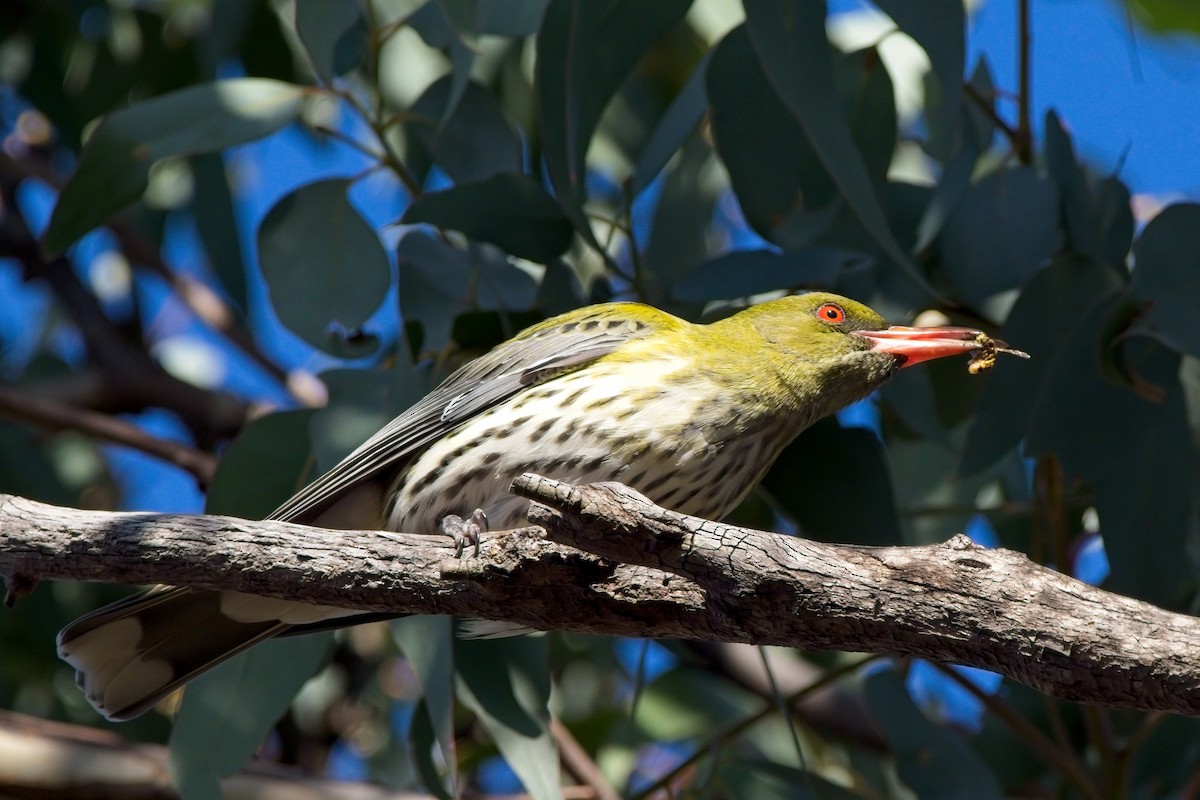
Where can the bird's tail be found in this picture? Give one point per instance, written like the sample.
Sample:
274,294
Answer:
131,654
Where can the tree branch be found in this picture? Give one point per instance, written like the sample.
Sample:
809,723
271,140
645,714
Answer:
651,572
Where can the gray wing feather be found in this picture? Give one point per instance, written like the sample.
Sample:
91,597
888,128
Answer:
535,356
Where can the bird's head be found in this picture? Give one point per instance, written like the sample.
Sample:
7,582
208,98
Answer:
829,344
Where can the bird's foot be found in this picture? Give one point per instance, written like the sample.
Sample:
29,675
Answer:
465,531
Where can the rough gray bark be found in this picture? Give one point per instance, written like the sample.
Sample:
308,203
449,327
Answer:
650,572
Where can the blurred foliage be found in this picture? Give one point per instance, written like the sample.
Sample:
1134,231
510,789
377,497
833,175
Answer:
551,153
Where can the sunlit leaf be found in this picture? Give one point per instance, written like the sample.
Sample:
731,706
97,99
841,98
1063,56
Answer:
325,267
114,167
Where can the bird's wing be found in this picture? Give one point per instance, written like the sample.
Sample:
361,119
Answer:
558,345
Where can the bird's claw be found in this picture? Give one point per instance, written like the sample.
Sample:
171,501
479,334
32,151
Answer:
465,531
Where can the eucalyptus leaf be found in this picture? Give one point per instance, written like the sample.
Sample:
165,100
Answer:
585,50
264,465
677,123
744,273
509,210
334,35
792,48
428,644
938,26
476,142
440,279
1036,325
506,682
325,268
114,167
834,482
228,711
1004,228
936,763
1164,279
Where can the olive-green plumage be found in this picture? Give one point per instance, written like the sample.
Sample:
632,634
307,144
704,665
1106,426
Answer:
690,415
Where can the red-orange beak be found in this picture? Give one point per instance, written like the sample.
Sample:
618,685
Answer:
915,345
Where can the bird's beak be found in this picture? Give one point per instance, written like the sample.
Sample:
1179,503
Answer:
915,345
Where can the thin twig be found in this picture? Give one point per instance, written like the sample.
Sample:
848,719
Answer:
579,763
55,416
1063,760
1024,140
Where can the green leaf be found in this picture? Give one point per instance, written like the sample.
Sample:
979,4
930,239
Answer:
935,762
428,644
938,27
585,50
449,25
506,18
325,268
677,123
1038,326
510,211
749,120
423,741
440,280
743,273
1164,280
114,167
212,208
1167,15
1001,232
476,142
334,34
667,710
506,682
834,482
790,41
227,712
767,780
265,465
682,218
1138,453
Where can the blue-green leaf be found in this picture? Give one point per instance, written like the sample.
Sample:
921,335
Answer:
439,280
585,50
114,167
794,52
510,211
227,712
476,142
674,127
743,273
506,682
428,644
938,27
1036,325
325,268
266,464
1164,280
935,762
334,35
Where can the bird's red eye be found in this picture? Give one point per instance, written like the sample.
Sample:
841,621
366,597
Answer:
831,313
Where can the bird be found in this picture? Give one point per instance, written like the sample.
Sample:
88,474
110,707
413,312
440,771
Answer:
690,415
